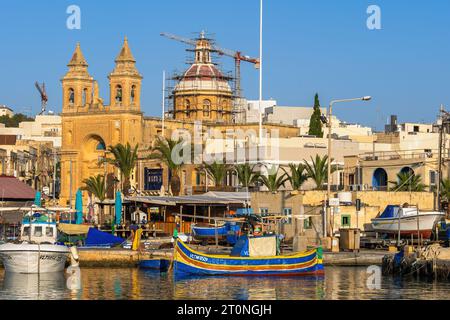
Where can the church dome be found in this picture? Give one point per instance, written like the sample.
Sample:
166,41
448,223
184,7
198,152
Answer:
203,77
203,74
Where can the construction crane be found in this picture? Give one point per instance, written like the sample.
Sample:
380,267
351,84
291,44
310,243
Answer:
237,55
44,97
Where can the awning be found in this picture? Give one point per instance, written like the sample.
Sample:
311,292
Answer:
73,229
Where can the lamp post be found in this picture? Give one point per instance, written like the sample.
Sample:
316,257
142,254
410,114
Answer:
329,124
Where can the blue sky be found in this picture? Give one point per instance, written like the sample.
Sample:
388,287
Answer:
310,46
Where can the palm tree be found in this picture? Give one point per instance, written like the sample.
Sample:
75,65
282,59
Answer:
96,186
445,190
297,176
273,182
318,170
162,151
408,181
246,174
124,158
218,172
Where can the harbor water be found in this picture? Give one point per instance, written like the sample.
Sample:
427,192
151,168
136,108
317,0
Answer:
339,283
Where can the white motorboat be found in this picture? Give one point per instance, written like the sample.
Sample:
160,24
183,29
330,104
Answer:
411,220
37,250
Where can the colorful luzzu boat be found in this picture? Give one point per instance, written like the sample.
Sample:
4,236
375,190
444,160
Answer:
190,262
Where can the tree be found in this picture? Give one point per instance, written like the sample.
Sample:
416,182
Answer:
15,120
162,151
96,186
318,170
408,181
315,123
445,190
297,175
124,158
273,182
246,174
217,171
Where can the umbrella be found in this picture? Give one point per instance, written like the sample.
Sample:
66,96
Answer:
37,199
118,208
79,207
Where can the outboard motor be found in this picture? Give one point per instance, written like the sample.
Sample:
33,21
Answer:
74,258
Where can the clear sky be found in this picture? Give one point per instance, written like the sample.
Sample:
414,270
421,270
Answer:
310,46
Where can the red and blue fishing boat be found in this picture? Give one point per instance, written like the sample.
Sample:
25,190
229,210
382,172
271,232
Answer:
243,262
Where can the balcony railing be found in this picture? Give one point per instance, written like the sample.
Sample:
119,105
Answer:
399,155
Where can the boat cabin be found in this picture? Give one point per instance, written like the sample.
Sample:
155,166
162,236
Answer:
41,229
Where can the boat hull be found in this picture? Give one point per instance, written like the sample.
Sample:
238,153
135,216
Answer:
33,258
188,261
209,232
408,225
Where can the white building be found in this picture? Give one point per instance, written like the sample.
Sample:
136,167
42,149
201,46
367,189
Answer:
6,111
45,128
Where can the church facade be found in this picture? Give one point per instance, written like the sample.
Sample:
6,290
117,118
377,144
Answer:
89,125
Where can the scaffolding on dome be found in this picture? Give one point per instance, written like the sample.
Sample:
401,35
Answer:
234,111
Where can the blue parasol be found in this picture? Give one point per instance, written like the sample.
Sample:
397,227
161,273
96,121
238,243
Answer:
37,199
118,208
79,207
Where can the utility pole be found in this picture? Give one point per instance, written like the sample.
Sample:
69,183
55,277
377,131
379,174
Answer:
442,123
54,177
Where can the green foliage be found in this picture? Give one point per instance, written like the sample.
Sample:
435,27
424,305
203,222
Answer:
445,190
163,151
273,182
408,181
124,158
315,124
318,170
297,175
217,171
13,122
246,174
95,186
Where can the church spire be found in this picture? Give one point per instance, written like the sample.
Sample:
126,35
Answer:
78,59
125,54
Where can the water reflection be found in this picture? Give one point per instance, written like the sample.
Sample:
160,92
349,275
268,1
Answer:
114,284
33,286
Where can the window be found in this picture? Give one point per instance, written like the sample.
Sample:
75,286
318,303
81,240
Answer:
198,178
288,212
263,210
84,101
416,129
101,146
206,108
71,96
26,231
38,231
133,93
49,232
345,221
119,94
307,223
433,177
187,106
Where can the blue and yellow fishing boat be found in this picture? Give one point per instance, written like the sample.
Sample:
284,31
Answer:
191,262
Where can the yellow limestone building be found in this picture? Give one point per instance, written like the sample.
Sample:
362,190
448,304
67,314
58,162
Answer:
89,126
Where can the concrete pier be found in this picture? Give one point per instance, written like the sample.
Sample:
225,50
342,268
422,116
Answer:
107,258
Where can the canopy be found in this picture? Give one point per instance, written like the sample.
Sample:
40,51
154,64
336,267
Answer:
73,229
390,212
97,238
79,207
118,208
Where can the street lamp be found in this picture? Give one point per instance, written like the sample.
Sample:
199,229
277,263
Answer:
329,124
